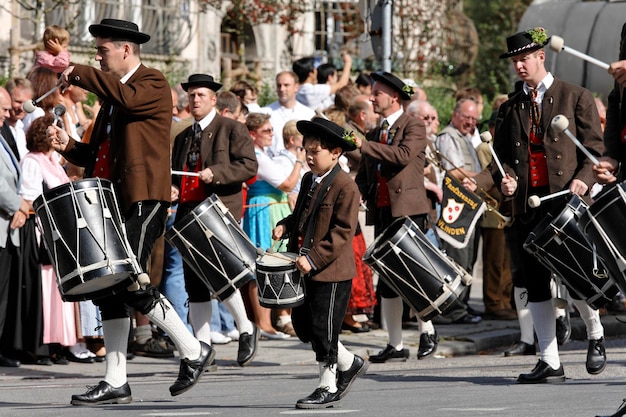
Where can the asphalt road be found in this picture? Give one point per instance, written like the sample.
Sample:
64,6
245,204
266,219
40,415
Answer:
473,385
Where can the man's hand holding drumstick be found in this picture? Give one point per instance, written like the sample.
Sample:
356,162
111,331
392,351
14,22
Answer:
58,138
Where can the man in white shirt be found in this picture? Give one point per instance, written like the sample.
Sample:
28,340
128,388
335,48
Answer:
21,91
285,108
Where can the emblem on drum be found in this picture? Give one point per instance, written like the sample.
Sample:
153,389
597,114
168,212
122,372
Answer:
452,211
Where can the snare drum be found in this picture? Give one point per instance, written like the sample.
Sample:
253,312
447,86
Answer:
279,281
603,223
215,247
427,280
562,247
86,240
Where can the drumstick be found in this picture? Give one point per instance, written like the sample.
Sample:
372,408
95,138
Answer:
535,201
486,137
270,252
30,105
280,256
189,174
560,124
557,45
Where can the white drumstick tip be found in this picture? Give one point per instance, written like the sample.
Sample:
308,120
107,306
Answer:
560,123
486,136
534,201
556,43
29,106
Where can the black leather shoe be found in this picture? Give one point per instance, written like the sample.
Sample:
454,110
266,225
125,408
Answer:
563,329
520,349
247,346
389,353
428,345
103,393
321,398
8,362
596,356
347,377
621,411
542,374
190,371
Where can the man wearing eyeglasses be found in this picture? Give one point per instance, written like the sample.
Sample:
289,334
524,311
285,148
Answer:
460,160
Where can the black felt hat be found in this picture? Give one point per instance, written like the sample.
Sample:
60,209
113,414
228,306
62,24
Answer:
527,41
406,91
323,128
201,80
119,29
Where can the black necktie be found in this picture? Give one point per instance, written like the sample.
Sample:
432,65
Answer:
194,149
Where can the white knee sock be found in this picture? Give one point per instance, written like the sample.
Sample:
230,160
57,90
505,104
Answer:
328,376
164,316
545,326
237,308
344,357
591,317
425,326
116,342
199,318
391,312
524,317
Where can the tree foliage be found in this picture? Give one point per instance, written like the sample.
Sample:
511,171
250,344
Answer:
494,20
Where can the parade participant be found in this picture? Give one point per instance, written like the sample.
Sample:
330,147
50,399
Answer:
130,146
392,157
614,133
220,150
320,230
539,161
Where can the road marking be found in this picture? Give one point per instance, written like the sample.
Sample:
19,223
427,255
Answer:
176,414
321,411
475,409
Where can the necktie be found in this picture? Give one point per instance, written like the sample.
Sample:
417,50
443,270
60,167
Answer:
535,110
382,189
193,156
384,132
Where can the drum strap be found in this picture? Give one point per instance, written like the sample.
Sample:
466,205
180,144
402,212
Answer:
309,227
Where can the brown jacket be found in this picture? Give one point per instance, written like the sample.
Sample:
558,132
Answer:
228,150
335,224
402,163
565,162
140,126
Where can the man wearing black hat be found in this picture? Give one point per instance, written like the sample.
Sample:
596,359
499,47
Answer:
130,146
391,181
220,150
321,229
539,161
